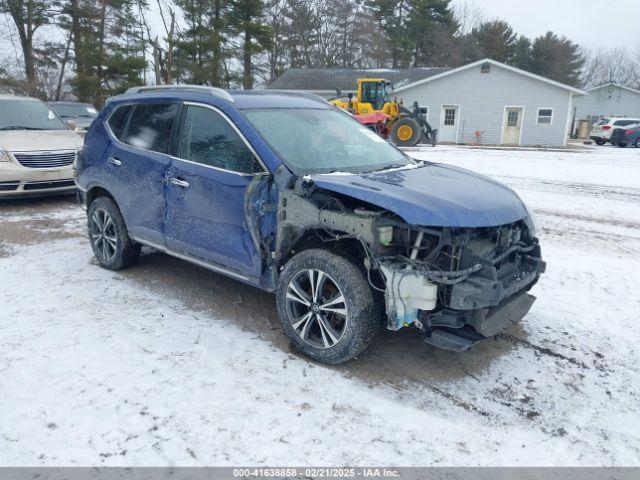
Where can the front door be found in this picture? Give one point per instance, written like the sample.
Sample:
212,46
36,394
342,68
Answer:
512,126
206,188
448,124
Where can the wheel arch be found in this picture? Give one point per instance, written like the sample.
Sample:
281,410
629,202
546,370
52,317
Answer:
97,191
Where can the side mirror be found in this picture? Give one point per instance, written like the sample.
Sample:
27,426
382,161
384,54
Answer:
72,125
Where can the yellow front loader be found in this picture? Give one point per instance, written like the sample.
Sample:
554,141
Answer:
374,108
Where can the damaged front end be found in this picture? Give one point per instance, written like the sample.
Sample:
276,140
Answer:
473,282
457,285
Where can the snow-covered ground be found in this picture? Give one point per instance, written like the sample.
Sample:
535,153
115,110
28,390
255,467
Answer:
168,364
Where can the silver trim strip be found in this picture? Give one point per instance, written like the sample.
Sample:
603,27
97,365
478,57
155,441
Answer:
200,263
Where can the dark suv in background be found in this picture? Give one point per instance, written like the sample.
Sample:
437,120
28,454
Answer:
286,193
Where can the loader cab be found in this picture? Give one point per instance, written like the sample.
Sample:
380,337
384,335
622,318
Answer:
374,91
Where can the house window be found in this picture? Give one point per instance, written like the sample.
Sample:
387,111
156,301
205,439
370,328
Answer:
545,116
449,116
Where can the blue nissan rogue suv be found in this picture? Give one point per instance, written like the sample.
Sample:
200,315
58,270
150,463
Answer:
286,193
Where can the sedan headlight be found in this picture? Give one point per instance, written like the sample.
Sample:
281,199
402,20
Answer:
532,221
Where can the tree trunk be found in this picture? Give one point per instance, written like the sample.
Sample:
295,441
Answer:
63,66
247,76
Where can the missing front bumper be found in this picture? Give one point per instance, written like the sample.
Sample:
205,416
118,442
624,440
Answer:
459,330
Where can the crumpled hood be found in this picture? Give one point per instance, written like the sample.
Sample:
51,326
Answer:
39,140
432,195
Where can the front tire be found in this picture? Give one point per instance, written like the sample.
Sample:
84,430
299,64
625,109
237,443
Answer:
108,235
600,142
326,306
405,132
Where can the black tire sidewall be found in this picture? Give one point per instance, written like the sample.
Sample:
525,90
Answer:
126,252
363,319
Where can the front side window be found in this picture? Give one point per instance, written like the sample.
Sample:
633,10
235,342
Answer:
207,138
150,126
323,140
545,116
28,115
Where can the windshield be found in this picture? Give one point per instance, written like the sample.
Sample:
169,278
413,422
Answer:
71,110
323,140
28,115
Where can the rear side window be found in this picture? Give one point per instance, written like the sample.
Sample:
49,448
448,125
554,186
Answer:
624,123
207,138
150,126
604,121
117,120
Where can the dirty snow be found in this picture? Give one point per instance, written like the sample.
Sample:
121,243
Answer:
168,364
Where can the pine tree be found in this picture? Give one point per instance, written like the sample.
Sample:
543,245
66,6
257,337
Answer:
246,18
496,40
557,58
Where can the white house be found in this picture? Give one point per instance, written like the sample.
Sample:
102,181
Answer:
492,103
609,99
483,102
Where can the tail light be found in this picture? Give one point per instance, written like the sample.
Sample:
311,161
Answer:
628,132
607,127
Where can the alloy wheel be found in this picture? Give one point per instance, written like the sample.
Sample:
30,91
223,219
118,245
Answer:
316,308
103,234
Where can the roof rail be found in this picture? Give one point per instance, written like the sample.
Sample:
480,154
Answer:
217,92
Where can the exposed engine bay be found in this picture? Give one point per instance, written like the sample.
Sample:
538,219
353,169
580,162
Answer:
457,285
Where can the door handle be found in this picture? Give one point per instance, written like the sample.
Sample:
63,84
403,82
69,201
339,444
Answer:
115,161
179,182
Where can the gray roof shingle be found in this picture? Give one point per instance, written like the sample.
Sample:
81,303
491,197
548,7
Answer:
318,79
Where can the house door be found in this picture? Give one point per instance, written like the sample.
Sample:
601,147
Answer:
448,124
512,126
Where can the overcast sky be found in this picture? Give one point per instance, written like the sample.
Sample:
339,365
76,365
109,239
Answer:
592,23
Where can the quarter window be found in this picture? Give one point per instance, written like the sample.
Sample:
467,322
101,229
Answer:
545,116
207,138
117,120
150,126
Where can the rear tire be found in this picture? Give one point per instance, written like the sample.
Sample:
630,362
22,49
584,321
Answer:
326,306
406,132
637,143
108,235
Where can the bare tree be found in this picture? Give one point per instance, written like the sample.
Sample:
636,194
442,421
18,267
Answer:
617,65
469,16
28,16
